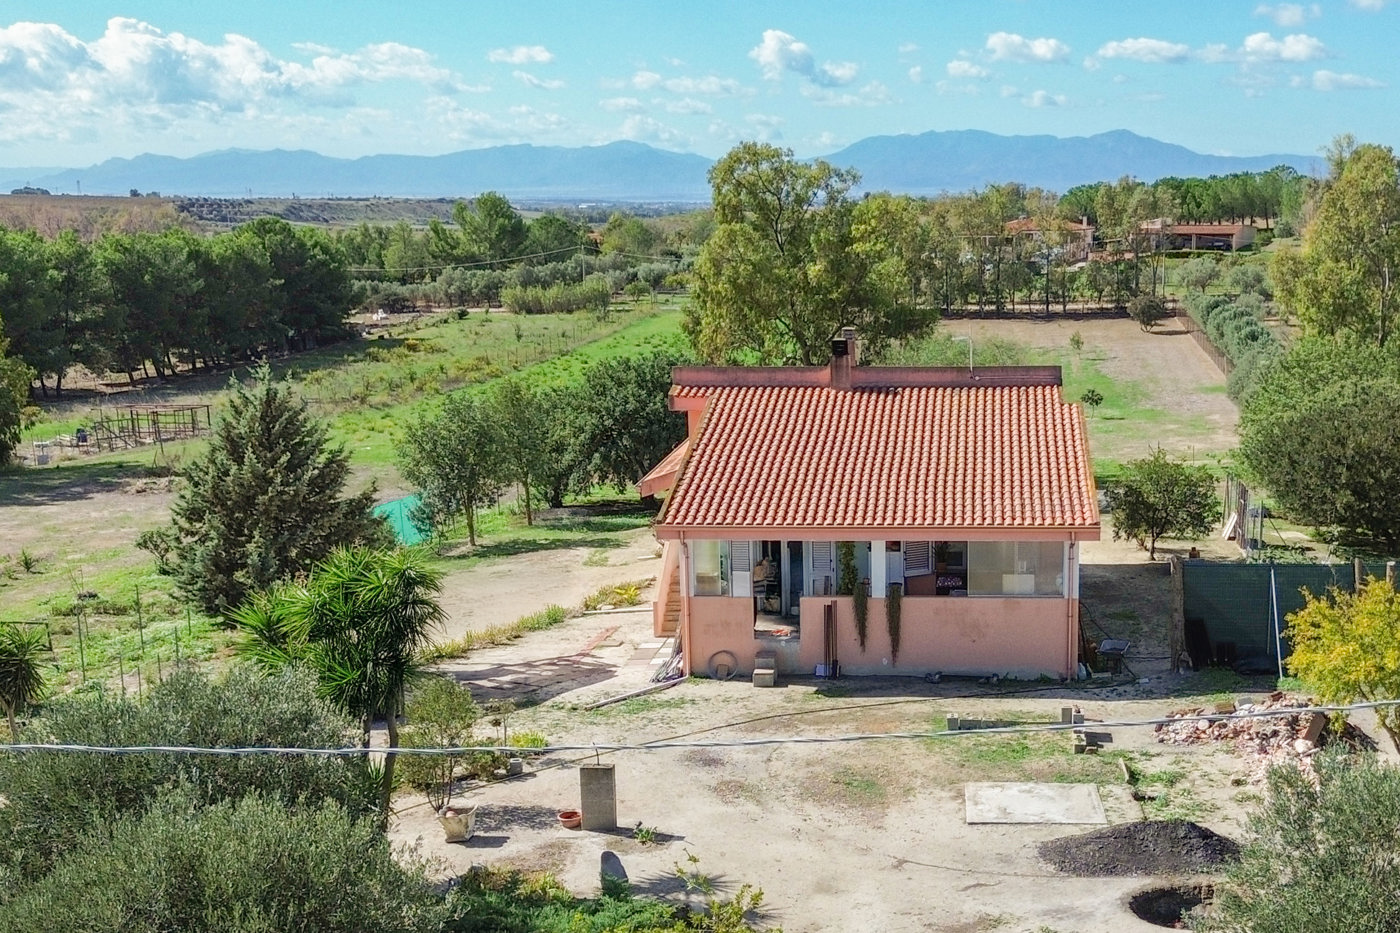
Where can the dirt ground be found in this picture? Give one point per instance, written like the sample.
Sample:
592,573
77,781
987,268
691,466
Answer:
864,835
498,592
1174,374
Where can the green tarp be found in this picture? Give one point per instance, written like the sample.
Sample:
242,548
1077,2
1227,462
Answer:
397,512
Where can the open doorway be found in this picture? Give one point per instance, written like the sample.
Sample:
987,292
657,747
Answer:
774,575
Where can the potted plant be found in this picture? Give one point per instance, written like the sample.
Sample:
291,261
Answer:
940,556
440,715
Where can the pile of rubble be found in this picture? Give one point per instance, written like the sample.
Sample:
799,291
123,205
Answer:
1262,741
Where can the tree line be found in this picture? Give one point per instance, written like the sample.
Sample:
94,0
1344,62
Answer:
545,441
1318,427
794,254
144,302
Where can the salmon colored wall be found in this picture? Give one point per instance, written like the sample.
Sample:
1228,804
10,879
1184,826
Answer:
670,569
1021,637
721,623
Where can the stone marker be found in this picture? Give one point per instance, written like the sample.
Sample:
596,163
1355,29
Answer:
598,797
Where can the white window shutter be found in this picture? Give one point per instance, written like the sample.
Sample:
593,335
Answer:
823,557
741,562
916,559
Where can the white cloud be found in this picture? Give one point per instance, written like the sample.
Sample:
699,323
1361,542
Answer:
1299,47
1008,46
908,48
871,95
961,68
647,129
916,74
1154,51
136,78
1372,5
544,84
686,105
709,85
521,55
1044,99
781,52
1324,80
948,87
1288,15
622,105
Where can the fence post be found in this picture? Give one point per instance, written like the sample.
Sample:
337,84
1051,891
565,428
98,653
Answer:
1358,574
1390,573
1176,632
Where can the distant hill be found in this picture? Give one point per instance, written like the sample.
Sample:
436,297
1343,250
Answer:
618,171
628,171
962,159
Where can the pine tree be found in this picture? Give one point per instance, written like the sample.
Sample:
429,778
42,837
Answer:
264,502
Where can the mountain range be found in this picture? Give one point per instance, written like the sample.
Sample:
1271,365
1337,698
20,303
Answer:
928,163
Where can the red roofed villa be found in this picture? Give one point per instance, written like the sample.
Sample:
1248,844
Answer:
964,494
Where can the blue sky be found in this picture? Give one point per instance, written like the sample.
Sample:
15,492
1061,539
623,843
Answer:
84,80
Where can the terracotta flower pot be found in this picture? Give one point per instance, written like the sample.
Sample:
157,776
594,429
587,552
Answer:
570,819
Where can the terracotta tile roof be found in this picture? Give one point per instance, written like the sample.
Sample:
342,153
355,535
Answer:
933,456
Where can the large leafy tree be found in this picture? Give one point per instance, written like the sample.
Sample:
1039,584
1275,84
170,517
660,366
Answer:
782,273
1320,433
22,651
1344,280
15,379
1158,497
264,502
523,439
452,454
487,229
623,420
25,301
360,622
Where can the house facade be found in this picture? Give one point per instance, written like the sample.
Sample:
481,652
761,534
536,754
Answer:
957,499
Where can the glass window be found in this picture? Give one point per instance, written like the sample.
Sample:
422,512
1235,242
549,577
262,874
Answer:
709,562
1016,568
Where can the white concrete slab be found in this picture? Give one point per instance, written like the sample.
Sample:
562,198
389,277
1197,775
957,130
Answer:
1026,802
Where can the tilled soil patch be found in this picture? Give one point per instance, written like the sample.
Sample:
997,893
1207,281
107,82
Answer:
1155,847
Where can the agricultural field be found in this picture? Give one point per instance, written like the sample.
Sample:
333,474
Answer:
70,528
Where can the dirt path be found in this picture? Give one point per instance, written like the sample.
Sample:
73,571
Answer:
498,592
1176,376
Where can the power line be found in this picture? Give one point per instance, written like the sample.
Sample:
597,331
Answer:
598,747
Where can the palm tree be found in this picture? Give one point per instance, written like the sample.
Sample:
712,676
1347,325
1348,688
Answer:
360,622
21,671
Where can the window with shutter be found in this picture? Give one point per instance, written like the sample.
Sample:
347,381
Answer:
917,562
823,557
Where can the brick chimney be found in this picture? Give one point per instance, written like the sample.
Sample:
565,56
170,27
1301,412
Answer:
845,352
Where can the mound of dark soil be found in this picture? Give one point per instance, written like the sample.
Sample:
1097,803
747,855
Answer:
1165,847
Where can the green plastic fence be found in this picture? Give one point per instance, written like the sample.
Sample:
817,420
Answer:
397,512
1234,600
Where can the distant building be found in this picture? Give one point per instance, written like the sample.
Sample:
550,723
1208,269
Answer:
1230,237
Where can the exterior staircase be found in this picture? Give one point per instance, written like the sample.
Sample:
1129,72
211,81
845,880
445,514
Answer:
666,612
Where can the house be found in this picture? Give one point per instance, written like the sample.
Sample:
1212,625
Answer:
968,490
1075,238
1232,237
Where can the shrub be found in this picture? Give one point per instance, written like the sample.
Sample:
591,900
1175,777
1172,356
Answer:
52,799
249,866
1320,858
